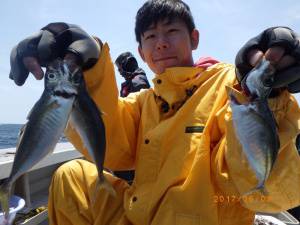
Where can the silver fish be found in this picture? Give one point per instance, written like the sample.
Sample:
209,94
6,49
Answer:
87,120
255,126
46,123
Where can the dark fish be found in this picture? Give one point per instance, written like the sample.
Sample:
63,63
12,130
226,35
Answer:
87,121
46,123
255,125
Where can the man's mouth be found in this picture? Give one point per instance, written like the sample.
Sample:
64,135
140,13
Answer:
164,58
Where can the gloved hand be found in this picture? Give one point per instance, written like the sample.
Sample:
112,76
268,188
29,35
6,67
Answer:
54,40
279,45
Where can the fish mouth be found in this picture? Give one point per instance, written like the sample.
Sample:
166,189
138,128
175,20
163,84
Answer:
64,94
65,91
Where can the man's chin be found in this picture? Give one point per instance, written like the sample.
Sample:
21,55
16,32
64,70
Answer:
163,68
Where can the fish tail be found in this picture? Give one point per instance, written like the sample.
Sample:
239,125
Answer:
104,183
4,197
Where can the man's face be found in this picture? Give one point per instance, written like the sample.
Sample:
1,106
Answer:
123,73
168,44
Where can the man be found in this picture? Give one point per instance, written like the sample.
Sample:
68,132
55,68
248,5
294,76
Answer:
135,80
135,77
178,136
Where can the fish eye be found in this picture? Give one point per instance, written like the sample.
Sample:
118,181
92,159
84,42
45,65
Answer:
51,76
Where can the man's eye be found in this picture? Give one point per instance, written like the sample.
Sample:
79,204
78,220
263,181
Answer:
150,36
173,30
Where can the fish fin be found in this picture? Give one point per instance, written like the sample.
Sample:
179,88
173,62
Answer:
237,98
233,98
54,105
4,198
20,135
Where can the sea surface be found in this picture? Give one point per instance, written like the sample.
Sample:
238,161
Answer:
9,135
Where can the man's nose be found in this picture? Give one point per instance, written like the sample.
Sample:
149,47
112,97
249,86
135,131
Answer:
162,43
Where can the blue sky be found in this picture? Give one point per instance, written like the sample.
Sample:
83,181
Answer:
225,25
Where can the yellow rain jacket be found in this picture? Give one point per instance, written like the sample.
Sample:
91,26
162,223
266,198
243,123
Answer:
179,138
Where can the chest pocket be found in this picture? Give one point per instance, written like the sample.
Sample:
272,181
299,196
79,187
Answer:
186,219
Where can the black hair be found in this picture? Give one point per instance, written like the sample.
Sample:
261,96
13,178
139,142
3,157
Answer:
127,62
154,11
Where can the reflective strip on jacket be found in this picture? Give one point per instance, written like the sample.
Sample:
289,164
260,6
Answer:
190,168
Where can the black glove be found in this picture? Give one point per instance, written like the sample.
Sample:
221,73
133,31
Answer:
275,36
54,40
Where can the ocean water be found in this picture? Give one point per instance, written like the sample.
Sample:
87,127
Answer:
9,135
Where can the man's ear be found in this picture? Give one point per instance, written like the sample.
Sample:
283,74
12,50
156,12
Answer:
195,39
141,52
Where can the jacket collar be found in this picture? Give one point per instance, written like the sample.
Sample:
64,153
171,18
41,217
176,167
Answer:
176,84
